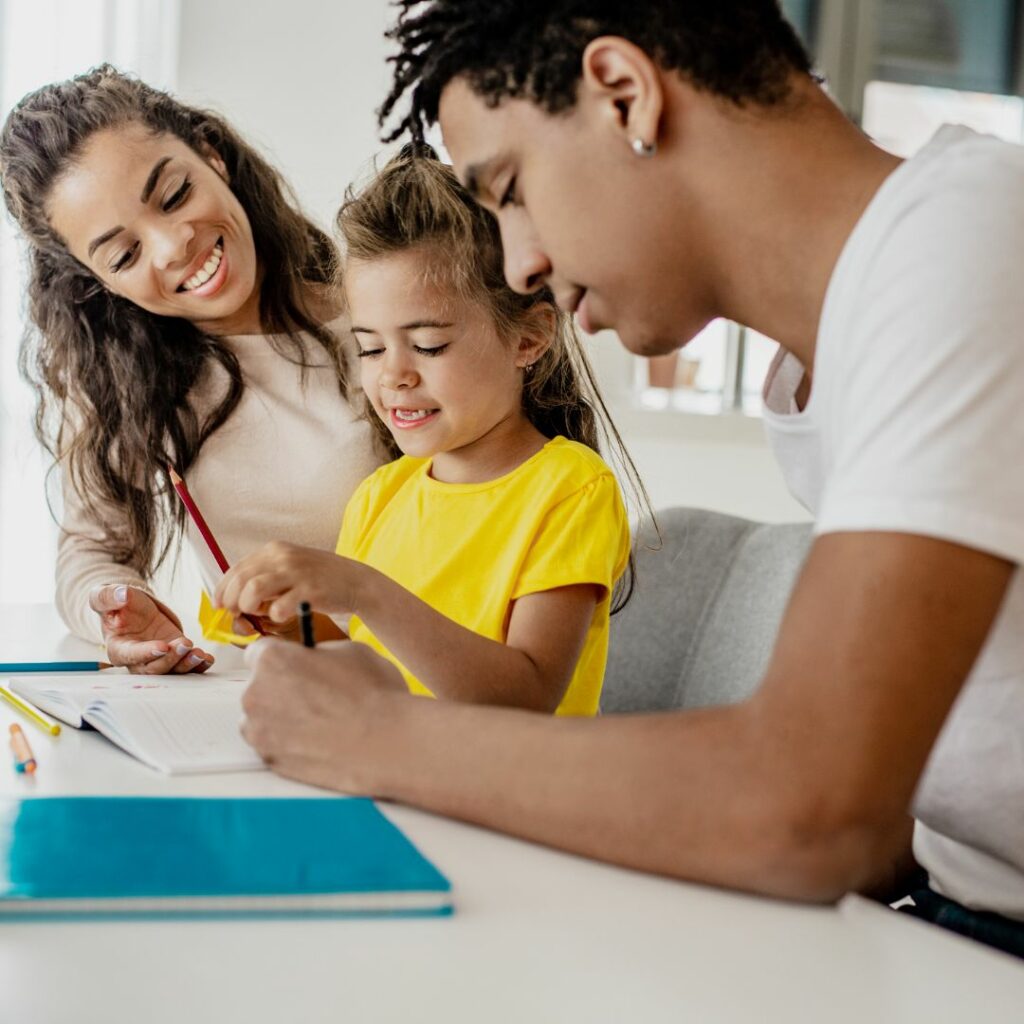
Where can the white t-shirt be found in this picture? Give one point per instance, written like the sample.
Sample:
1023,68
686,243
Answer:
915,424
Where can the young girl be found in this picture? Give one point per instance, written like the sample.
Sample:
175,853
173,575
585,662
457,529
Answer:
482,562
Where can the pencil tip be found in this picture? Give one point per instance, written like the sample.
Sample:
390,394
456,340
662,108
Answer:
175,479
104,664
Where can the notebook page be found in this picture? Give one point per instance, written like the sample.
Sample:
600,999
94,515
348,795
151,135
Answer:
66,695
177,733
67,707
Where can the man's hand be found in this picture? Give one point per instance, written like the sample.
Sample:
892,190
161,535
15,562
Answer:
143,634
315,714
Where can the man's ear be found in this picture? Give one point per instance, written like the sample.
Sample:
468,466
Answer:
213,158
536,334
625,85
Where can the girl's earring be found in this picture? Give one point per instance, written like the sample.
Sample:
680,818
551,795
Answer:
642,148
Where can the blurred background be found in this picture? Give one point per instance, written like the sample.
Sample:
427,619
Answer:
302,80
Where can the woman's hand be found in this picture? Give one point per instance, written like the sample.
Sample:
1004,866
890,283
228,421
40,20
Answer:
319,715
144,634
273,581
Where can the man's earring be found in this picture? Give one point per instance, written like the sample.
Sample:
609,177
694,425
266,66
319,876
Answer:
642,148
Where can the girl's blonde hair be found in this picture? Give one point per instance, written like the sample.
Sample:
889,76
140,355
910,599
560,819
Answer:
416,201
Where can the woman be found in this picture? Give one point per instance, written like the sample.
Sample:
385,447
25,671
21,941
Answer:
181,315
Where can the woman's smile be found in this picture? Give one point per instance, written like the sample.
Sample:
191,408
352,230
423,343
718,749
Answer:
211,274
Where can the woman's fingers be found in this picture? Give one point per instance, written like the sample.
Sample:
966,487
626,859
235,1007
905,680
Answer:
158,657
109,598
194,661
135,653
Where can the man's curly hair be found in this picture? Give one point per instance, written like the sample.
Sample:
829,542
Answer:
742,50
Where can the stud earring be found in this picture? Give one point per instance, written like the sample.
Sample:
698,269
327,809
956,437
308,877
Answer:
642,148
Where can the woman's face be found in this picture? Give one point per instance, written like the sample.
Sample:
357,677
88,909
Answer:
158,224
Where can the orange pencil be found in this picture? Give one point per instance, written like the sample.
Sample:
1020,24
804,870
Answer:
24,760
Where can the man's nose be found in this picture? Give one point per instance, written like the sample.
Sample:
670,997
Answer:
526,265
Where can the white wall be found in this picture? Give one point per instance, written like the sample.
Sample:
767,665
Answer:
44,41
303,80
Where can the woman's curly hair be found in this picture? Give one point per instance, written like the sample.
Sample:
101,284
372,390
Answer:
113,380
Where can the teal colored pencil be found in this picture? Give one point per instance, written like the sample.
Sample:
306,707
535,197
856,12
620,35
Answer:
54,666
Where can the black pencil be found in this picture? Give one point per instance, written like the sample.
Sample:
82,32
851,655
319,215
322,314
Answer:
306,624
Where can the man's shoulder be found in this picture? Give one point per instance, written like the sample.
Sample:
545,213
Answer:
963,185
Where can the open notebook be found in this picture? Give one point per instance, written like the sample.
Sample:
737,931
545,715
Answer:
168,856
176,724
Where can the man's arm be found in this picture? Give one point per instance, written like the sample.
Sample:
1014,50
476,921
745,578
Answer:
801,791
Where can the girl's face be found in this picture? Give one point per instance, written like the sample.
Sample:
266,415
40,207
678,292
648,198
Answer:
158,224
433,365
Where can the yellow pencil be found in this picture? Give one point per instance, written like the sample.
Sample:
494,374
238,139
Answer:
44,721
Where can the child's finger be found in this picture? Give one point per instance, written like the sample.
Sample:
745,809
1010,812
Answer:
283,608
260,590
226,594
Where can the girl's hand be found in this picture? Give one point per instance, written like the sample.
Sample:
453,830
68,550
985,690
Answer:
324,628
273,581
144,634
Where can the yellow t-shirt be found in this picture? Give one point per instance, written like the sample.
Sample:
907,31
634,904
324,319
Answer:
470,550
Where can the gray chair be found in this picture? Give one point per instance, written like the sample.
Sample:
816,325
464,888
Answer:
702,621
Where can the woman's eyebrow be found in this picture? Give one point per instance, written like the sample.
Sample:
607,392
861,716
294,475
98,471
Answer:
105,237
154,177
147,191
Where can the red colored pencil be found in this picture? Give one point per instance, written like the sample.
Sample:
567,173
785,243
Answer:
197,517
211,542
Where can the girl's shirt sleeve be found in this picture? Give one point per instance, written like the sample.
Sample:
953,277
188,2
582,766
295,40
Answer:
583,539
354,519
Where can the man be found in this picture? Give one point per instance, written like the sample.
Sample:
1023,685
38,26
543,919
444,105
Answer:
658,164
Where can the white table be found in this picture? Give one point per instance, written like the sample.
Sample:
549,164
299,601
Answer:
538,936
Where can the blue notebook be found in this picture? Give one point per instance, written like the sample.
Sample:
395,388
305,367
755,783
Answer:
122,856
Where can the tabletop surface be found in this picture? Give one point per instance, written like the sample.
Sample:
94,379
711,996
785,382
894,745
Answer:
537,935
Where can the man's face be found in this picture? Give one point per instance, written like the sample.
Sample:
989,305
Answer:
579,211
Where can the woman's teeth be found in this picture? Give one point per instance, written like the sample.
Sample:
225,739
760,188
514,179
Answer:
206,271
411,414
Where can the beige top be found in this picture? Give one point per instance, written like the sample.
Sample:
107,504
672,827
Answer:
282,468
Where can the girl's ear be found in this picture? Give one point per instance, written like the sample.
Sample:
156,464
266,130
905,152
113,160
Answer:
536,334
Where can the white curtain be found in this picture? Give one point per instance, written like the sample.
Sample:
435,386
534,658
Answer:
43,41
